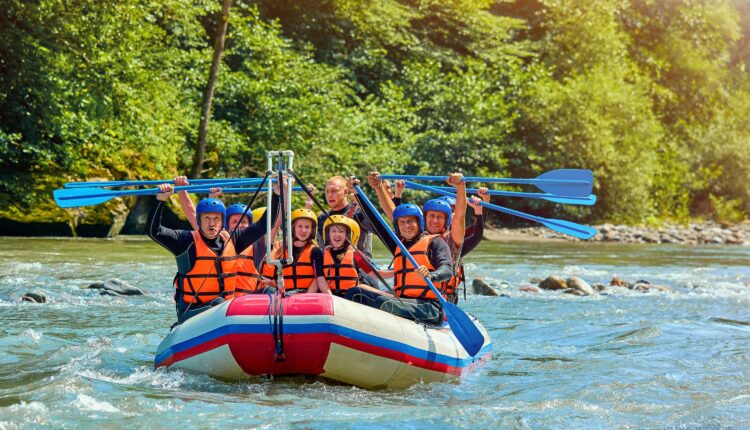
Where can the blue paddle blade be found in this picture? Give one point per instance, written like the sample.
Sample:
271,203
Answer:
463,328
76,197
554,181
569,228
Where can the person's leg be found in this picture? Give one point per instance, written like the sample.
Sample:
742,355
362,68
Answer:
366,297
425,311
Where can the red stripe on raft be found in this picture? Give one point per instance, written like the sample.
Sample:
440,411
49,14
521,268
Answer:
200,349
396,355
305,353
298,304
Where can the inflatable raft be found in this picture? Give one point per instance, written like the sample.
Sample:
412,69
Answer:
319,334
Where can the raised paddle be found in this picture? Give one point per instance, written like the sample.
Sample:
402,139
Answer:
567,200
75,197
565,227
462,326
233,190
154,182
563,182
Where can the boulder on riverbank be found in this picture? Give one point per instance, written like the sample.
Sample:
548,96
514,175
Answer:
114,287
704,233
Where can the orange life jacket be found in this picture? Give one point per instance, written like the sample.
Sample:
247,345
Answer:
211,276
407,282
248,278
297,276
342,275
451,285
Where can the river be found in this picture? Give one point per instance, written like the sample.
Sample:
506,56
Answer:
623,359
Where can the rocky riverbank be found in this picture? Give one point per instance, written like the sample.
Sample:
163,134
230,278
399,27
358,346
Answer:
692,234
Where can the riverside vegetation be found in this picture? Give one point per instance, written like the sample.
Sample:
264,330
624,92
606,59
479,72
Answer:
652,96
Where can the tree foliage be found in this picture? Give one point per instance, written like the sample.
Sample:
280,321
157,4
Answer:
652,95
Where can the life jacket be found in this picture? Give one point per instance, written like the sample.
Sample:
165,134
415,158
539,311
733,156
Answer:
211,276
248,278
297,276
407,282
342,275
450,287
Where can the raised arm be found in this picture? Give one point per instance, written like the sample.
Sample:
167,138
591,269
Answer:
386,203
458,225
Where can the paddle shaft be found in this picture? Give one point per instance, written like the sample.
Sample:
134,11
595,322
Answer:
582,231
152,182
152,191
544,196
487,180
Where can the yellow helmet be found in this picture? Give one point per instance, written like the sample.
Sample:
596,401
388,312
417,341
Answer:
257,213
306,214
350,224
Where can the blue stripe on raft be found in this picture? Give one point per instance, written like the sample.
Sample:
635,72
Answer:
321,328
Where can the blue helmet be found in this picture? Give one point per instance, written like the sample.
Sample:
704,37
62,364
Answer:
238,209
408,209
451,200
206,206
439,205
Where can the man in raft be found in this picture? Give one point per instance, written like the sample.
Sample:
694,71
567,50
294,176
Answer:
305,273
206,258
337,197
413,298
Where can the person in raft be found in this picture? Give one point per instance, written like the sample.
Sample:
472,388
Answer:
413,297
446,216
206,258
305,273
343,266
247,280
337,196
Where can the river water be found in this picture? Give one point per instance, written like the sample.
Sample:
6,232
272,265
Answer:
624,359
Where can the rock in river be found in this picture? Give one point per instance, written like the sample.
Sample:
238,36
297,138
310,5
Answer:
482,288
112,287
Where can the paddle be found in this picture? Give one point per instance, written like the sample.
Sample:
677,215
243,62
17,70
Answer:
565,227
563,182
206,189
462,326
75,197
154,182
567,200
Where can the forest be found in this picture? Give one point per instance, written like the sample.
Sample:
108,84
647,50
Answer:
652,95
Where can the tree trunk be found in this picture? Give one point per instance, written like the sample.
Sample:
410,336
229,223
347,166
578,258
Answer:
208,94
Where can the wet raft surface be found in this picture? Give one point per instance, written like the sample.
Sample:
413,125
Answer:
626,358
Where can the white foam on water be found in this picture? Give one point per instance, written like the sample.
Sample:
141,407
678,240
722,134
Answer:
32,334
142,376
88,403
20,415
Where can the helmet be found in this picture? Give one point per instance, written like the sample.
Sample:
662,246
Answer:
439,205
258,213
408,209
206,206
307,214
238,209
345,221
451,200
